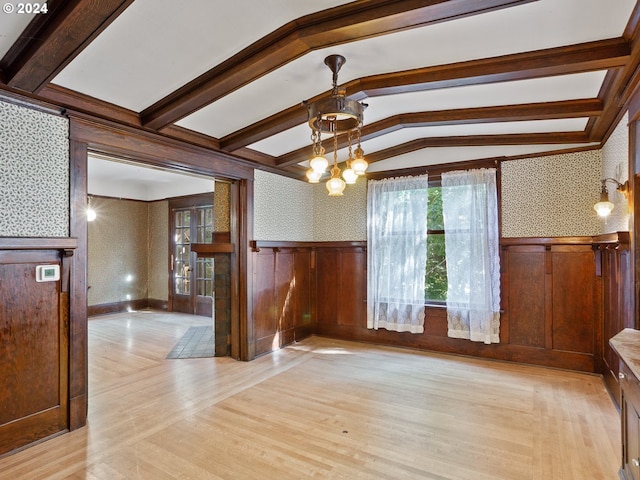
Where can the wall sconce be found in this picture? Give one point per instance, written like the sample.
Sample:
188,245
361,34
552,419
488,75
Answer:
604,206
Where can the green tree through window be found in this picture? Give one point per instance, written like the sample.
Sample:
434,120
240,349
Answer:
436,274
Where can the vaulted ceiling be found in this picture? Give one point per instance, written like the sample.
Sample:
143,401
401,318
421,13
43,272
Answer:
445,81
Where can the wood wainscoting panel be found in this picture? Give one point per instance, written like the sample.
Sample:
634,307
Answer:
264,306
285,296
282,297
574,308
524,286
33,351
303,317
328,294
549,291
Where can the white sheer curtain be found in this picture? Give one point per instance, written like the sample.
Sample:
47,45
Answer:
470,210
396,253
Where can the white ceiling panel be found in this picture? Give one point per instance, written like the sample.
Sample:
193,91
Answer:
528,27
120,179
11,26
156,46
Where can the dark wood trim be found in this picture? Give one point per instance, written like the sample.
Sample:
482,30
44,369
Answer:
150,148
477,141
506,113
39,243
208,249
545,241
82,103
87,134
579,58
78,360
353,21
242,321
612,238
31,102
117,307
53,39
256,245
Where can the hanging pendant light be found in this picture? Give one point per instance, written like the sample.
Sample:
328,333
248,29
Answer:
335,185
335,115
349,174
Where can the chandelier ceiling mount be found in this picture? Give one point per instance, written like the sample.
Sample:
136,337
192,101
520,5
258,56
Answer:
335,115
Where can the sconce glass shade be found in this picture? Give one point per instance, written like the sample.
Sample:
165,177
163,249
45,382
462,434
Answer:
319,163
604,207
349,176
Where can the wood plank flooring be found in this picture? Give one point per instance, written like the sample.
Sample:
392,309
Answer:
321,409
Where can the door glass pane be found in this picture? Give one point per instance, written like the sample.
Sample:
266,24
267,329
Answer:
182,265
204,232
204,276
204,229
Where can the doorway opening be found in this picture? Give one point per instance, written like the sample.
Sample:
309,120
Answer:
139,253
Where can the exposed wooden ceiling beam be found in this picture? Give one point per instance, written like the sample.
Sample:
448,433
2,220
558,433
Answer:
619,85
346,23
479,140
53,39
579,58
505,113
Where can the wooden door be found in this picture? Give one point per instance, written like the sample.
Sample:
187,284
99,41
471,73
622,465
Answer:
191,278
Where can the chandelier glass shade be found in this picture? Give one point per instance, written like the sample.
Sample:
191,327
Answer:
335,115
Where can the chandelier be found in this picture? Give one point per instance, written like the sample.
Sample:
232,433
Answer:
336,115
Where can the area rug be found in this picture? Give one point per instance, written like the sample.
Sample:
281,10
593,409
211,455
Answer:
197,342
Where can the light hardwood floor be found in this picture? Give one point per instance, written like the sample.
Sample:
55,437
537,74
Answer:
322,409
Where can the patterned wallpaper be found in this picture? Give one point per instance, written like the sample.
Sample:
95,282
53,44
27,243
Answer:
118,259
293,210
284,208
340,218
551,196
158,254
221,207
34,173
615,164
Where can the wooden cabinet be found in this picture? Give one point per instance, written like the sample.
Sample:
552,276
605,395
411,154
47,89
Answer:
630,404
613,269
626,344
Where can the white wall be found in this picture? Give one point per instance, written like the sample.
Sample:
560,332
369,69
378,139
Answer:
615,164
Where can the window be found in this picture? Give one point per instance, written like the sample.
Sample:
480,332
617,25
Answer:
435,291
434,244
396,253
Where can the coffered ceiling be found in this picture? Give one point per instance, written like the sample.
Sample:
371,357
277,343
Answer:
445,81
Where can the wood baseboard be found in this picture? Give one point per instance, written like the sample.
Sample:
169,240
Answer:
116,307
